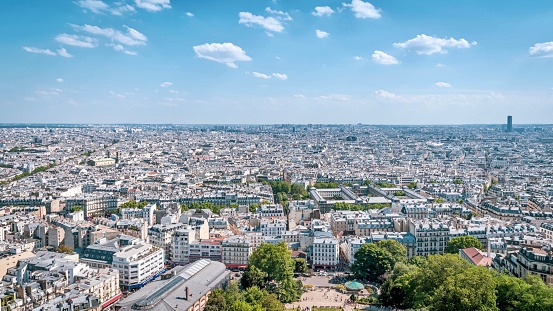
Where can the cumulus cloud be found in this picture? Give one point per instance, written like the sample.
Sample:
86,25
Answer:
260,75
322,11
384,94
225,53
166,84
428,45
358,58
120,48
363,9
321,34
131,37
100,7
153,5
189,14
280,76
284,16
75,40
60,80
63,53
443,84
268,23
382,58
38,51
544,49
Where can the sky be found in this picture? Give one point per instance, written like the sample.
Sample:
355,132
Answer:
276,61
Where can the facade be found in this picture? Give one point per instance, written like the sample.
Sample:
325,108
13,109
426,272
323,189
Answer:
236,251
325,252
180,245
138,262
162,236
146,213
535,260
93,205
272,228
431,236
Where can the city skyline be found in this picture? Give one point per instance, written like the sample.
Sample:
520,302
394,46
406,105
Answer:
274,62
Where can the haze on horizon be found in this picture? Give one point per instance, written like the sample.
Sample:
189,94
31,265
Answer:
264,62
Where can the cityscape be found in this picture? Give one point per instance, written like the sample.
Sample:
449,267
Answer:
276,155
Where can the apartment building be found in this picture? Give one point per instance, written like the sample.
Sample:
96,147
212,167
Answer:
326,253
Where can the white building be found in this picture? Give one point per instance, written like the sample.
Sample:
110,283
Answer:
352,245
162,236
236,251
146,213
274,228
180,246
325,252
431,236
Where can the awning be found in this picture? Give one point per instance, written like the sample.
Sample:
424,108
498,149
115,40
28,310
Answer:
112,300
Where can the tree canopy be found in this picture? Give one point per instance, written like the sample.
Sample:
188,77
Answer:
372,260
447,282
460,242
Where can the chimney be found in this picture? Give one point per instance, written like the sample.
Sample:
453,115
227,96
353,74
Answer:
186,291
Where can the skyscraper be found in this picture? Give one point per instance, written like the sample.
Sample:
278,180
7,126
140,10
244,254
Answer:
509,123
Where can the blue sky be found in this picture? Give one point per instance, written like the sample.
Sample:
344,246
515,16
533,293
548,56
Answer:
284,61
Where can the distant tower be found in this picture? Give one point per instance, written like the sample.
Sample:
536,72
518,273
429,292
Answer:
509,123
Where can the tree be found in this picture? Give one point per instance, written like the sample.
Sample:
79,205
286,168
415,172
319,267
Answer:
275,260
439,200
271,303
64,249
372,260
253,207
461,242
412,185
76,208
217,301
510,292
473,289
253,276
183,208
300,265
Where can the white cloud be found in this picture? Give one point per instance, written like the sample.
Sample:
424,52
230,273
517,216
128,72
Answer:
269,23
443,84
382,58
358,58
298,96
153,5
440,65
322,11
544,49
60,80
321,34
363,9
120,48
74,40
334,97
166,84
99,7
284,16
38,51
260,75
132,37
225,53
428,45
280,76
63,53
384,94
189,14
95,6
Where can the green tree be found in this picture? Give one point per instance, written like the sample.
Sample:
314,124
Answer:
76,208
473,289
184,208
439,200
64,249
271,303
253,207
457,243
253,276
510,292
372,260
217,301
412,185
275,260
300,265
